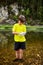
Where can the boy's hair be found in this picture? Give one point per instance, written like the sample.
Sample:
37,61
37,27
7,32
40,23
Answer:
22,18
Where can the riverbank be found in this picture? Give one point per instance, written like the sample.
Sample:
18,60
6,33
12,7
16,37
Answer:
35,28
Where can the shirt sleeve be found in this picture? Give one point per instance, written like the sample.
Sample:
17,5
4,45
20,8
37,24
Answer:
24,29
14,28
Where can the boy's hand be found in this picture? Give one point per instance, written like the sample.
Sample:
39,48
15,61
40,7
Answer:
16,33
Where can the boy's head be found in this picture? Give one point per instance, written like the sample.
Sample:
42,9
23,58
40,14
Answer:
22,19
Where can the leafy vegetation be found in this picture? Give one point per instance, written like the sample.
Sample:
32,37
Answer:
32,9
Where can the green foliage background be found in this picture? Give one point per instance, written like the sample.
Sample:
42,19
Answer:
32,8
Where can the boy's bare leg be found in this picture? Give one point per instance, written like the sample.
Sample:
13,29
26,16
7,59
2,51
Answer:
20,53
17,54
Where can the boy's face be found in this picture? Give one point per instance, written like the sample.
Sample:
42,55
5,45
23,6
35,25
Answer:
20,22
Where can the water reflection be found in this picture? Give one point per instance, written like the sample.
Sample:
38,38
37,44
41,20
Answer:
6,39
33,52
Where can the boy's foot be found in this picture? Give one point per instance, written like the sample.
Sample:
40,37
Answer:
15,60
21,60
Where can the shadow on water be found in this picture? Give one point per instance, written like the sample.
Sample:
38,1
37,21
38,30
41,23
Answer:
34,49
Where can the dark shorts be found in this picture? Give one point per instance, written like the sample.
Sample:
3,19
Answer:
19,45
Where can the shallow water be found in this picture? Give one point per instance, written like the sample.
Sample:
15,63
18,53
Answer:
33,55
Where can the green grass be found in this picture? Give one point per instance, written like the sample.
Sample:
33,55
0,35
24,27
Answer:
29,28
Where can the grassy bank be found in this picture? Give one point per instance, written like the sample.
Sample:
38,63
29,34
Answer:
29,28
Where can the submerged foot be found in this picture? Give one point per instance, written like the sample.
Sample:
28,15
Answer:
15,60
21,60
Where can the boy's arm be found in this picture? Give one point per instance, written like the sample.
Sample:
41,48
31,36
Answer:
16,33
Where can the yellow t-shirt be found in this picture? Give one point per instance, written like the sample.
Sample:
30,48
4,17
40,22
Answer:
19,28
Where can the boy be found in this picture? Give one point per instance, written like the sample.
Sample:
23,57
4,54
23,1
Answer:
19,31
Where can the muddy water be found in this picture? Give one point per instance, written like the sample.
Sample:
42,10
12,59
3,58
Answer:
34,49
